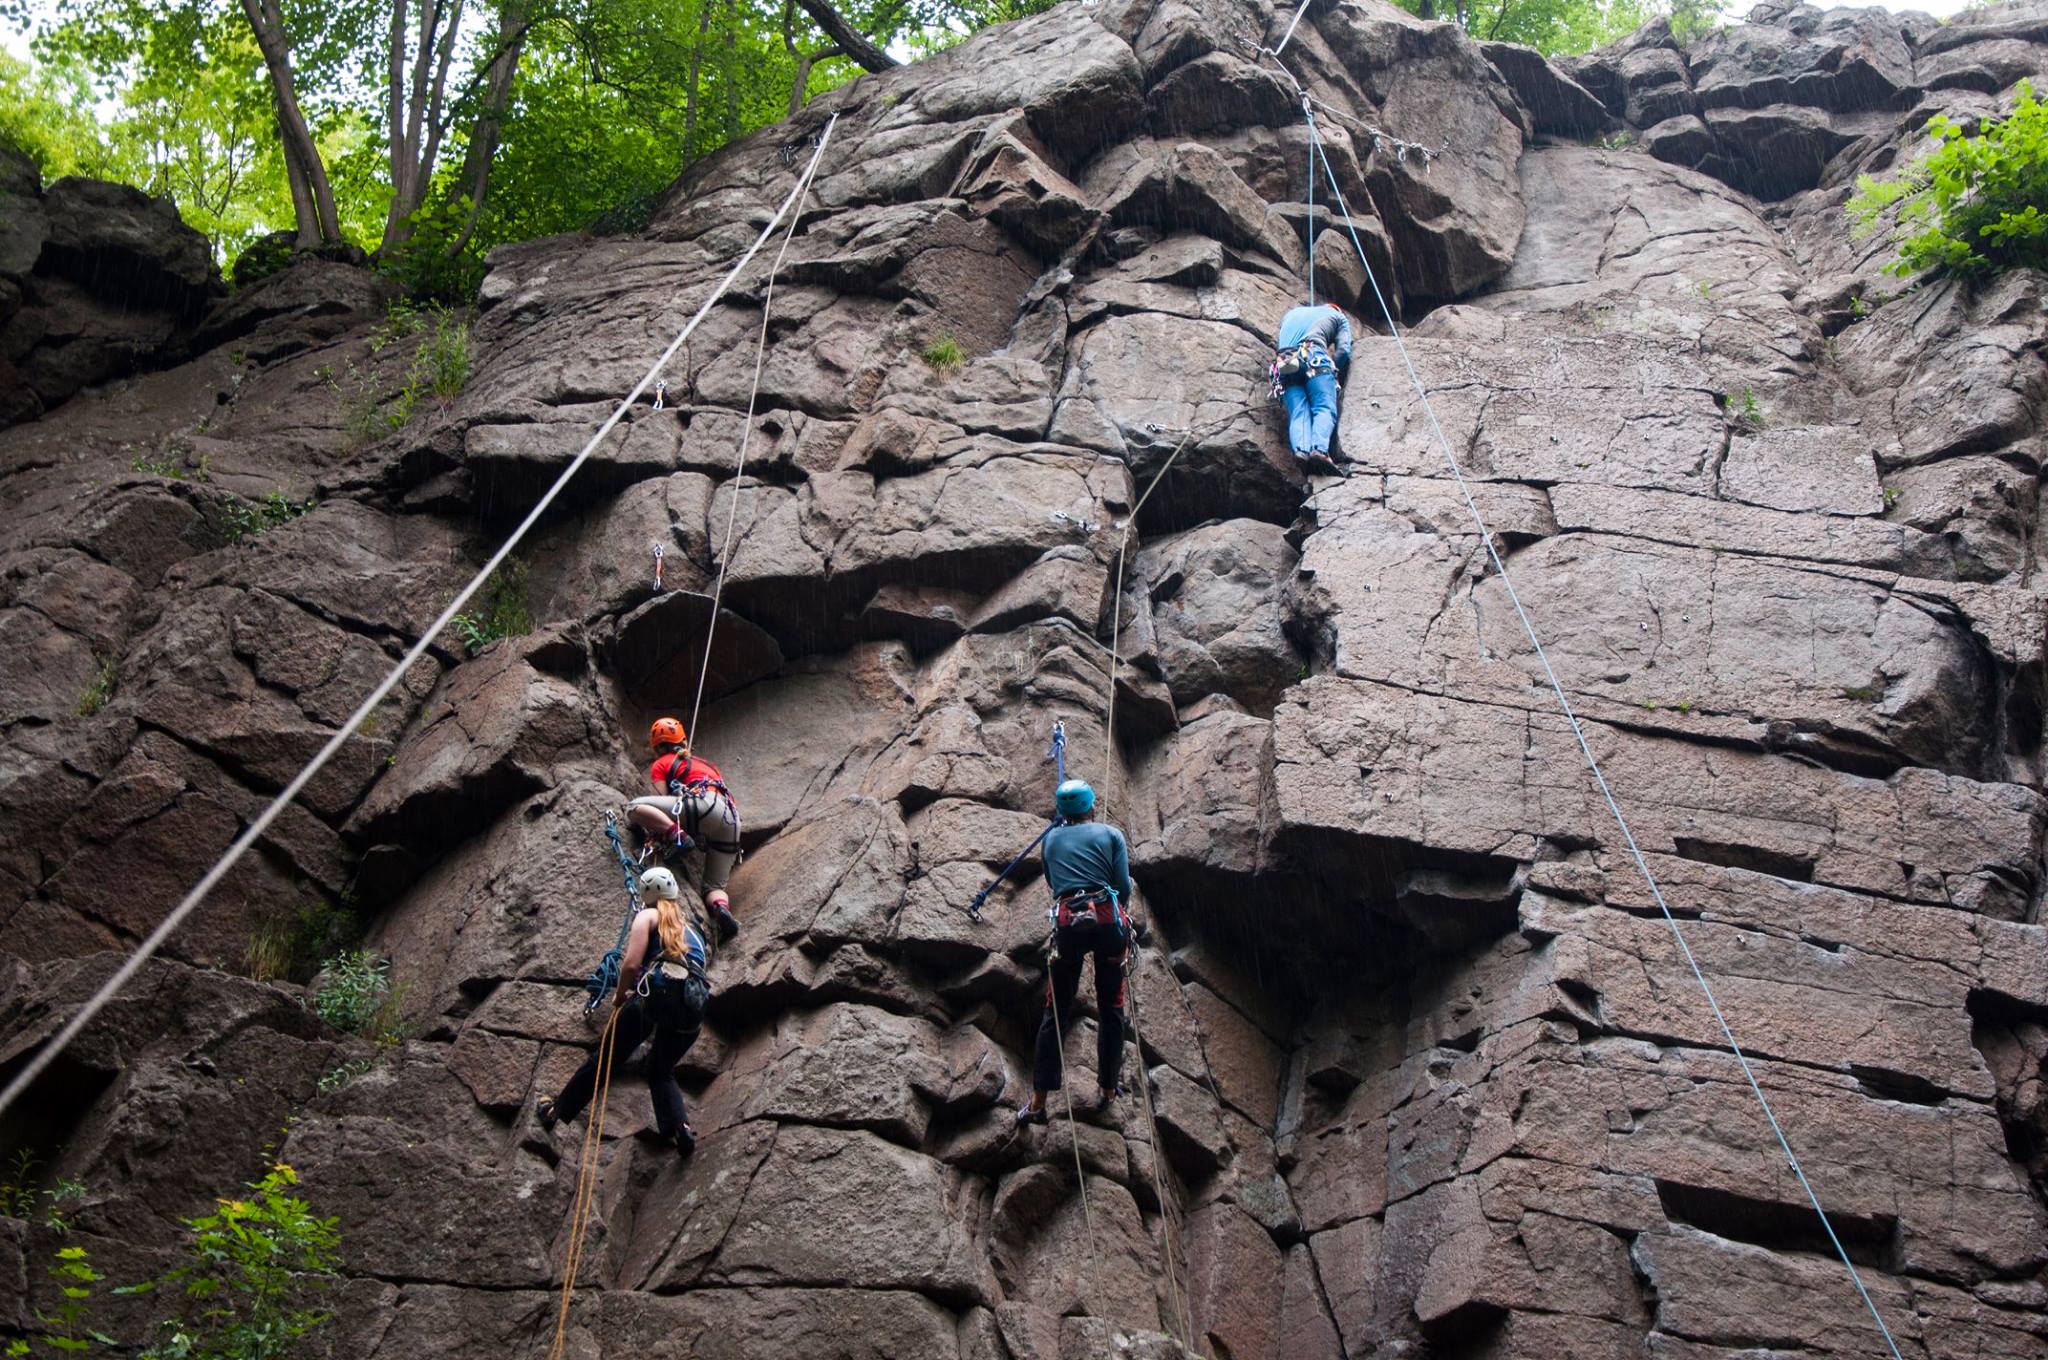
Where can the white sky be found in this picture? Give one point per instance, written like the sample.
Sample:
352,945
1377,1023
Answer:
17,42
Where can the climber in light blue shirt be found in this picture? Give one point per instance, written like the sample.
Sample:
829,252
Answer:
1316,341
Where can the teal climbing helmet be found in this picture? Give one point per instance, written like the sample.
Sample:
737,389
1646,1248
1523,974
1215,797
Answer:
1074,798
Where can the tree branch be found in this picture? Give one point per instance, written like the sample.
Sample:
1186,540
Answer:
851,40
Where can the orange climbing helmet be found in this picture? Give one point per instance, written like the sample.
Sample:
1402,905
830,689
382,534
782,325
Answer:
667,732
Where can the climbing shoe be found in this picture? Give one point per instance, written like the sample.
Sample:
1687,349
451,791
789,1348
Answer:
723,921
1027,1115
685,1141
1105,1101
544,1110
1320,465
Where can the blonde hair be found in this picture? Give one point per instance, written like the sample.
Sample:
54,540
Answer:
669,924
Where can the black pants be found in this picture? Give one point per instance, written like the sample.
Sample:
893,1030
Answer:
1063,980
670,1014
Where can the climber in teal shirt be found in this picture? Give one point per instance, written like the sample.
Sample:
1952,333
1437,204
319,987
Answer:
1088,869
1316,341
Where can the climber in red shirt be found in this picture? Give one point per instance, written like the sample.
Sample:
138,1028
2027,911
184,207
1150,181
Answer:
692,806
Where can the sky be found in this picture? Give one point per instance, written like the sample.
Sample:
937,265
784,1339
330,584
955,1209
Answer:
17,42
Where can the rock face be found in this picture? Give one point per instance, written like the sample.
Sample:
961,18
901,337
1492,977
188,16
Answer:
1428,1074
97,280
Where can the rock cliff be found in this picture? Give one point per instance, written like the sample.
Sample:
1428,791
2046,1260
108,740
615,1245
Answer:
1431,1077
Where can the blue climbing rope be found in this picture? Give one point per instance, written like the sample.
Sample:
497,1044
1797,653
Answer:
604,979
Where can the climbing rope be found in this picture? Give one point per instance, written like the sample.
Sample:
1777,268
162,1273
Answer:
1642,864
586,1184
154,941
1059,1036
1124,527
1288,36
1177,1301
803,189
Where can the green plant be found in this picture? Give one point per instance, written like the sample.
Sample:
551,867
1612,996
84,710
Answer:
943,354
254,1264
1744,409
98,690
242,519
65,1329
1858,308
341,1076
504,612
1650,704
1616,141
1862,694
293,946
1973,204
1706,290
18,1192
440,366
156,467
1891,496
353,992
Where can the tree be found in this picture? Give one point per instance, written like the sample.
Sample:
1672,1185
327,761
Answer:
1550,26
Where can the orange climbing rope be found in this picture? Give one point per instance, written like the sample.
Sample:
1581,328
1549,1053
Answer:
586,1182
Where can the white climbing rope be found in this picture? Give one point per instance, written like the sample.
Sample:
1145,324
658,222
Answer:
747,430
1288,36
1585,749
155,939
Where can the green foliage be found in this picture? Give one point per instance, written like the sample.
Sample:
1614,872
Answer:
253,1268
943,354
1554,27
64,1330
1862,694
1858,308
1692,20
341,1076
1616,141
266,255
612,100
1744,409
1973,205
504,613
353,991
242,519
293,947
98,690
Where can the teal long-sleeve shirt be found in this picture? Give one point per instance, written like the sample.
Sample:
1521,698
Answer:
1327,326
1085,856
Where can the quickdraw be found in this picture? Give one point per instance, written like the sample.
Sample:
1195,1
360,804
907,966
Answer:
1058,755
659,549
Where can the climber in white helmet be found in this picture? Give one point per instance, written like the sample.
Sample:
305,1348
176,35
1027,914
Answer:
661,997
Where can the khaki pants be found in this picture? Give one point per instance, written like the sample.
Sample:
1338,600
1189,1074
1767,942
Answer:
707,816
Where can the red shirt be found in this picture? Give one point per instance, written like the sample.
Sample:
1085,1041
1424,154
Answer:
673,772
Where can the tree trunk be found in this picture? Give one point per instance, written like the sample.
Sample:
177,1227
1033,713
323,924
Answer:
852,42
801,80
483,138
312,196
696,74
416,143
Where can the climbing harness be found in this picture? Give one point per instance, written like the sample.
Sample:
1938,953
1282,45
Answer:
604,978
260,823
739,471
1058,755
1635,852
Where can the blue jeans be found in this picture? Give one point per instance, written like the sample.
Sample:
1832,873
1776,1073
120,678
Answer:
1311,412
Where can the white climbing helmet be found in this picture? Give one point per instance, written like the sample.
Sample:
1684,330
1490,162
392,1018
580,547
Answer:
658,885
